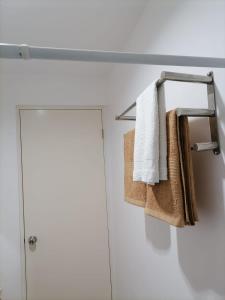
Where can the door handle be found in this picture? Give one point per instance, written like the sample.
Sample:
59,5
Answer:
32,240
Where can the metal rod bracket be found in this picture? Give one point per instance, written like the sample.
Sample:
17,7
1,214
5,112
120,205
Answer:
24,51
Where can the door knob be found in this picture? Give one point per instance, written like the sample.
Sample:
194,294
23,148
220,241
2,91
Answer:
32,240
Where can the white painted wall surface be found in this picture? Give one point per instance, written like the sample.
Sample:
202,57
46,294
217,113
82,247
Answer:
90,24
151,260
28,88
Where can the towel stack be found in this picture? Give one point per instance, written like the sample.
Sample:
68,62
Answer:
172,200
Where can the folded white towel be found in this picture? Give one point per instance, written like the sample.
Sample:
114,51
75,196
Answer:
162,135
150,148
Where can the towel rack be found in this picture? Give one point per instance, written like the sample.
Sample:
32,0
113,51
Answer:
210,112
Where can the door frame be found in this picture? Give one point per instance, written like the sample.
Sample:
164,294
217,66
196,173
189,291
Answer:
20,184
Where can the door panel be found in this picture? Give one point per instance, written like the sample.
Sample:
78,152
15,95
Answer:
65,205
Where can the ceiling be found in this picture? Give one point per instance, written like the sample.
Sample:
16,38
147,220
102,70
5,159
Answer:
80,24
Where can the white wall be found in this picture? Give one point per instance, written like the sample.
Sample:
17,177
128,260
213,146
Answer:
31,86
89,24
151,260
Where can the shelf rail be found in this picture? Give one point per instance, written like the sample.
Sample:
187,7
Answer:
210,112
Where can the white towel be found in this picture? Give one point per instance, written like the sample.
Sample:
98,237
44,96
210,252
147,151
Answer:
150,146
162,134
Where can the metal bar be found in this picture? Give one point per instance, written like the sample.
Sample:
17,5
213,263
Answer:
171,76
125,118
195,112
213,121
205,146
123,113
190,112
13,51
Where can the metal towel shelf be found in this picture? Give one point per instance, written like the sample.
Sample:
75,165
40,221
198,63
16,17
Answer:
191,112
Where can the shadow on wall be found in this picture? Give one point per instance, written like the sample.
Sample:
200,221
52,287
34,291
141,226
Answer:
158,233
201,250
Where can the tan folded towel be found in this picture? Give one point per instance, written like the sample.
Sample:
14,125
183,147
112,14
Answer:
165,200
172,201
135,192
187,171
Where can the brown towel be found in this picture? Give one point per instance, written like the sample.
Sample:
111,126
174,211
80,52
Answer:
135,192
187,171
172,201
165,200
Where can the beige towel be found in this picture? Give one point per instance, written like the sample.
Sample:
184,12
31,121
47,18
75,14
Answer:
165,200
172,201
135,192
187,171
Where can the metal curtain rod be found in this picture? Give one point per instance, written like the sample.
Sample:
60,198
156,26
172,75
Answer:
14,51
210,112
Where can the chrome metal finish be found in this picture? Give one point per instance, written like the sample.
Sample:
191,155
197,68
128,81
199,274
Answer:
32,240
122,117
191,112
213,120
172,76
195,112
125,118
205,146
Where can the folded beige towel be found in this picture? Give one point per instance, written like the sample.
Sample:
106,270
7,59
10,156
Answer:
165,200
135,192
172,201
187,171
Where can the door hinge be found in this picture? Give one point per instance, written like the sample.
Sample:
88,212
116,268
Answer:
103,133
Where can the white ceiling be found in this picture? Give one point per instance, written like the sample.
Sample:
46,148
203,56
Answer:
84,24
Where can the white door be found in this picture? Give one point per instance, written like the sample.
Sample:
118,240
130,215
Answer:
64,205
